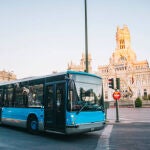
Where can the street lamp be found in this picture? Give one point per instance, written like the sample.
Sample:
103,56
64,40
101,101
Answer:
86,38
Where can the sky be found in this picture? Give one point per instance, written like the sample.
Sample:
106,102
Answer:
38,37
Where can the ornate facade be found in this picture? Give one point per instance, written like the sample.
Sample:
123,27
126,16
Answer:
81,66
7,76
134,75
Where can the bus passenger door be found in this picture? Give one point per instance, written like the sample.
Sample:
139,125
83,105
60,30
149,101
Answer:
0,112
49,117
1,103
55,106
60,106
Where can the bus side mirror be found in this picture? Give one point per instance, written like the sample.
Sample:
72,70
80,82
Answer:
71,85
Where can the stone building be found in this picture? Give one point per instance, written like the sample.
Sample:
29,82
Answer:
7,76
82,65
134,75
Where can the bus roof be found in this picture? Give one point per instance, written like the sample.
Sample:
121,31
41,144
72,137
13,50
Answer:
45,76
82,73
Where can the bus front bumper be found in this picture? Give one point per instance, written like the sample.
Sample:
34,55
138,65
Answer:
81,128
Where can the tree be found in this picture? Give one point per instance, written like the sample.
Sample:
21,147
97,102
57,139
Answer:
138,102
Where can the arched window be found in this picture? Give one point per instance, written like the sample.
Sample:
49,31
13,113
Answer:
122,44
145,93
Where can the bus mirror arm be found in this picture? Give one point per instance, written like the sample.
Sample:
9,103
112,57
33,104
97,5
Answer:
71,85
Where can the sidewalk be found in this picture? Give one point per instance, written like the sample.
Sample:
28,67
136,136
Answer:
130,136
129,115
132,132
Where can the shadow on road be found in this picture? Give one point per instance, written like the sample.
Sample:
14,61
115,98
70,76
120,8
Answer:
61,137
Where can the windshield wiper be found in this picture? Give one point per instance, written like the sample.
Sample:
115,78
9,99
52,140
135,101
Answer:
96,108
100,108
81,108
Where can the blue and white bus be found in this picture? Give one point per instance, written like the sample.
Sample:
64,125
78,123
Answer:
67,103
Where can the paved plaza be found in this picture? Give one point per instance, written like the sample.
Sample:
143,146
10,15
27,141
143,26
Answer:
129,115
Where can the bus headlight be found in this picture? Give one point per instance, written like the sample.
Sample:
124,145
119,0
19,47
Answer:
72,120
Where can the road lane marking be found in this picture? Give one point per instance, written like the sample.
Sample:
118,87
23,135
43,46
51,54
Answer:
103,142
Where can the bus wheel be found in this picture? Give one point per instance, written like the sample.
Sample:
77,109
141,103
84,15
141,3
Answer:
32,125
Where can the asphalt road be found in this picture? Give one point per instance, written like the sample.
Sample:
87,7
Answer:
131,133
133,130
131,136
17,139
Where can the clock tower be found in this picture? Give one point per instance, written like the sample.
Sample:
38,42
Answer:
123,51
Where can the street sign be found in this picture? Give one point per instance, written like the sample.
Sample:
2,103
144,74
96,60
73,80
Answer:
116,95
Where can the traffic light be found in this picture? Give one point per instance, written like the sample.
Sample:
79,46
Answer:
111,83
118,83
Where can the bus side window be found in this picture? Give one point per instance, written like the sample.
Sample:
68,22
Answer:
25,93
35,96
21,96
19,99
1,97
8,97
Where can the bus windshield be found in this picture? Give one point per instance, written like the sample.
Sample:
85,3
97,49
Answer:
84,93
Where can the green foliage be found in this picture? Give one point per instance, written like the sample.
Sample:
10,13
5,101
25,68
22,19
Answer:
138,102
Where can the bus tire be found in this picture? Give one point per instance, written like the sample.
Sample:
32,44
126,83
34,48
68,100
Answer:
32,125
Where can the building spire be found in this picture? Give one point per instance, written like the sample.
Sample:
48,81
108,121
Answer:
123,40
